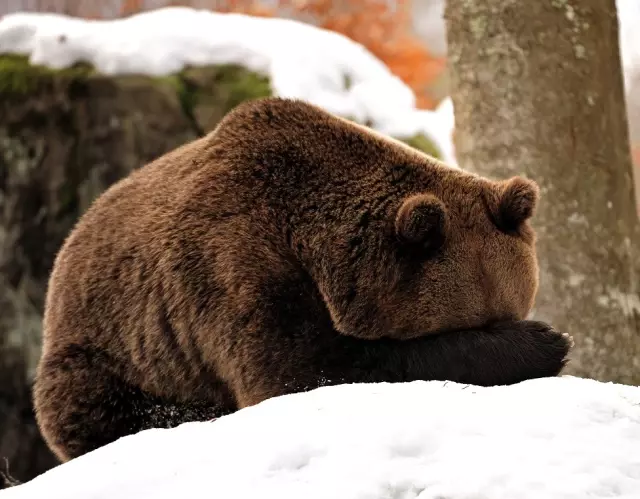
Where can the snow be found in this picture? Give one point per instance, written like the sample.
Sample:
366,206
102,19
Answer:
302,61
561,438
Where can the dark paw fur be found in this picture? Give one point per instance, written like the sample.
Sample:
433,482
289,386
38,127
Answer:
544,351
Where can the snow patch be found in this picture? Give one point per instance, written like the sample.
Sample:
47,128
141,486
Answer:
562,438
302,61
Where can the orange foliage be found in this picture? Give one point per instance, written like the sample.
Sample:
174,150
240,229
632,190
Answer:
384,27
381,26
130,7
635,155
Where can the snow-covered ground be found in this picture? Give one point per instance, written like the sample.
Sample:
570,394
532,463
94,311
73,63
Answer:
302,61
629,17
557,438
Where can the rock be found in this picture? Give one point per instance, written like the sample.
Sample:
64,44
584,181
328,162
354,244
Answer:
65,136
22,452
424,144
211,92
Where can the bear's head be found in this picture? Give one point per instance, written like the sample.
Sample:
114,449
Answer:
397,244
457,255
453,257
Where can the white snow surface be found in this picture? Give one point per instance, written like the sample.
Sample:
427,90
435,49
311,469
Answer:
560,438
301,61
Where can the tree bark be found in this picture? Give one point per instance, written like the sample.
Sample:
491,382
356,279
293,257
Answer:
538,91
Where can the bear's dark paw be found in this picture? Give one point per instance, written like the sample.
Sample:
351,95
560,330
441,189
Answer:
527,349
547,350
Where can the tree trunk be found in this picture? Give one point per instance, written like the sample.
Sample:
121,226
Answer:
538,91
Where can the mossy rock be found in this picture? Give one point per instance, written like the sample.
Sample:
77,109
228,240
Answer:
19,77
65,137
208,93
424,144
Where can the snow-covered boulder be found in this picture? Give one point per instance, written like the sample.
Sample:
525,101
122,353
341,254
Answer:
554,438
300,60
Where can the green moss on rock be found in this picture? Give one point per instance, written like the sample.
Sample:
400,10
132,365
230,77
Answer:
424,144
19,76
208,93
242,84
419,142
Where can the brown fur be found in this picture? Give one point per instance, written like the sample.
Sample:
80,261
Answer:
286,250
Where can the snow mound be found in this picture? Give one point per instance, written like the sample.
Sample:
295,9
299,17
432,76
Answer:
302,61
555,438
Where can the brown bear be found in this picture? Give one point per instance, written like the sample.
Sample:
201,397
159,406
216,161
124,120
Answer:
286,250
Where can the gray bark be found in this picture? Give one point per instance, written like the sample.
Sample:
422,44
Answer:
538,91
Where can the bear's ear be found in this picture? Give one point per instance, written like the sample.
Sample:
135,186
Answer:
422,220
518,200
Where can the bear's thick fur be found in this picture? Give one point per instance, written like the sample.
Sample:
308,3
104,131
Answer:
286,250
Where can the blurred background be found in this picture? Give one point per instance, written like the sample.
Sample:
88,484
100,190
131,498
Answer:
65,138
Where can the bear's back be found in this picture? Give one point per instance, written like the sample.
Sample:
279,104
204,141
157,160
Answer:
112,287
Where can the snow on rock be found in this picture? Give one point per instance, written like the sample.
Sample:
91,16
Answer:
560,438
302,61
